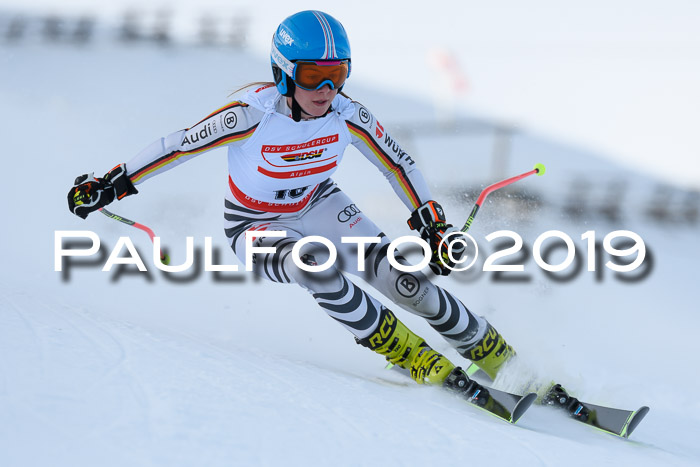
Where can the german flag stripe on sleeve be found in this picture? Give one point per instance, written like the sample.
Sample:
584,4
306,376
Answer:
175,155
387,162
226,107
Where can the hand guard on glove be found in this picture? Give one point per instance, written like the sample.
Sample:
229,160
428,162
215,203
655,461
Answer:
430,222
90,194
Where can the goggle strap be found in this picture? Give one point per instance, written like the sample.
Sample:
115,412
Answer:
281,60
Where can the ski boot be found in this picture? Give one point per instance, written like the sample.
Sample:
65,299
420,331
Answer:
558,397
490,353
402,347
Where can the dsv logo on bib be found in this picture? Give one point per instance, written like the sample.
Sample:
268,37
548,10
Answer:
347,213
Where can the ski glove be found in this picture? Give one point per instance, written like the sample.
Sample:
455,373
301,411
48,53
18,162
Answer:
430,222
90,194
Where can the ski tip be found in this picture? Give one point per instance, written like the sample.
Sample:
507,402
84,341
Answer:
636,419
521,407
540,169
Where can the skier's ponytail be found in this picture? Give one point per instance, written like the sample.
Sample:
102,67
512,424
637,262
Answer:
250,85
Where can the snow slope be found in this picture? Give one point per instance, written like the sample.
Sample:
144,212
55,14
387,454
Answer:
98,368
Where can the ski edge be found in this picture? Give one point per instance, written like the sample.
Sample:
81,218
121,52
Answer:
518,410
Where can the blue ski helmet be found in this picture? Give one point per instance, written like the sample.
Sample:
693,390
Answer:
307,35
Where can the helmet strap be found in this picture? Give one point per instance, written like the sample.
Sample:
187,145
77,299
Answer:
296,110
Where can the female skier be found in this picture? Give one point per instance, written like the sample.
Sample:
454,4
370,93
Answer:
285,139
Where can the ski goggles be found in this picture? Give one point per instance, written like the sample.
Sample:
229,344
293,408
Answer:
312,75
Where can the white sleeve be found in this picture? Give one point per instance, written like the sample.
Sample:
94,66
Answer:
372,140
231,124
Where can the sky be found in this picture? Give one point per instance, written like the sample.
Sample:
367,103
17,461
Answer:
619,77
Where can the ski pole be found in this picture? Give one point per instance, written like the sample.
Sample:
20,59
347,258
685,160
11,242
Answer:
165,259
539,170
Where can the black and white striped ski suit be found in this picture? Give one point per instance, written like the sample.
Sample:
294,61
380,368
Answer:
332,214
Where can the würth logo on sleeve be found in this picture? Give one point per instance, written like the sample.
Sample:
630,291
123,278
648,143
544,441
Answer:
380,130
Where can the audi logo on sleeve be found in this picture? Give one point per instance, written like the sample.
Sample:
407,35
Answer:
348,213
